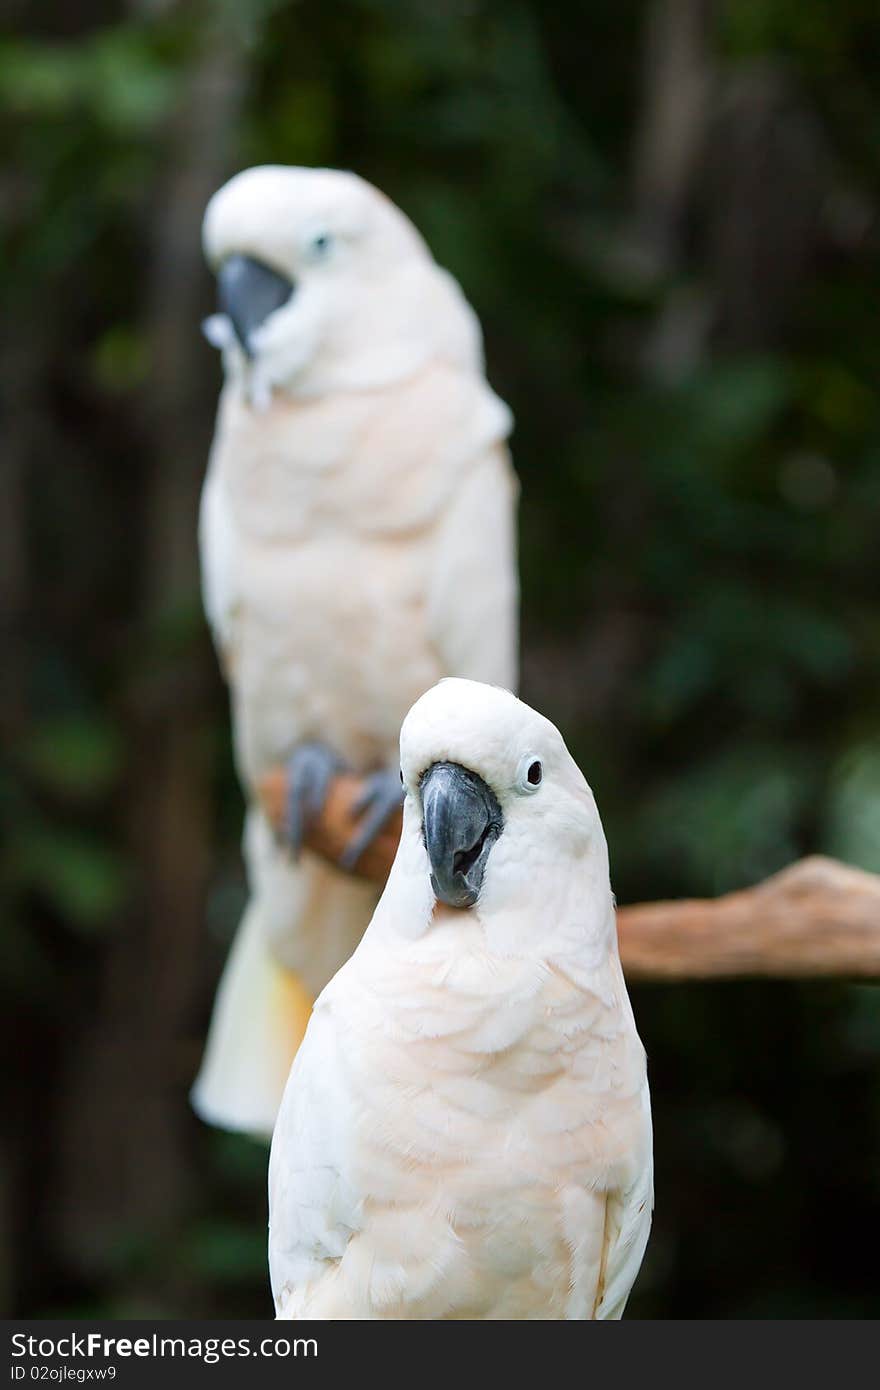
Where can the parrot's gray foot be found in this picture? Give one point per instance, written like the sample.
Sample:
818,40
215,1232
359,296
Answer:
310,770
381,797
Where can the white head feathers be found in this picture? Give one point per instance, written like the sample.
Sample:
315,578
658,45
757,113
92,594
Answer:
545,887
369,304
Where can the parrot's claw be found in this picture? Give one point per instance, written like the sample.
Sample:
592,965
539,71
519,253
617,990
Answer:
382,795
310,770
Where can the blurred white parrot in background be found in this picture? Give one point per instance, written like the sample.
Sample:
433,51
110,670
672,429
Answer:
358,542
466,1132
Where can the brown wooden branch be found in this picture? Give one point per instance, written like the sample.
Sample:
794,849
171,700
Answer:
336,824
816,918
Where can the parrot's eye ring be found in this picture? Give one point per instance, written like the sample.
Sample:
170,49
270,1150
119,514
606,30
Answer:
320,245
530,773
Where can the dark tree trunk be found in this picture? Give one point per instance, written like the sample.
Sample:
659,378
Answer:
125,1166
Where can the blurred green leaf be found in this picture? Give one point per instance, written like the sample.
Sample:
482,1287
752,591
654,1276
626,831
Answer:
729,821
85,881
227,1253
113,74
76,755
121,359
852,817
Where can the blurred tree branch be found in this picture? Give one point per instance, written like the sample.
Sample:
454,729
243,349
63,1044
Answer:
816,918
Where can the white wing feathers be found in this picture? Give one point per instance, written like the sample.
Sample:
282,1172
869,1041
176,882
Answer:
342,1247
217,547
314,1211
628,1225
473,589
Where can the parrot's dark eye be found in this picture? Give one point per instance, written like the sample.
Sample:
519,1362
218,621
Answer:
530,773
320,244
401,776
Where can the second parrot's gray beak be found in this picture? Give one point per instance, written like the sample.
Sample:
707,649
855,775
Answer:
462,820
248,292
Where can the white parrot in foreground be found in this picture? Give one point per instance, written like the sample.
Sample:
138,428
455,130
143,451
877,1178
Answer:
466,1132
358,542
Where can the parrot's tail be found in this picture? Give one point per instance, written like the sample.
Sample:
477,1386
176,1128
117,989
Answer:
260,1015
302,923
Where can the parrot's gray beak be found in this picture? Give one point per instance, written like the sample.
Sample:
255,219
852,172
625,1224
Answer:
462,820
248,292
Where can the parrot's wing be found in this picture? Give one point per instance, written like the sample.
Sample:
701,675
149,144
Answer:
217,546
473,593
627,1227
312,1209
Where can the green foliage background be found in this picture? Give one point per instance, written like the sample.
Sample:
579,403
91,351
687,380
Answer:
691,359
